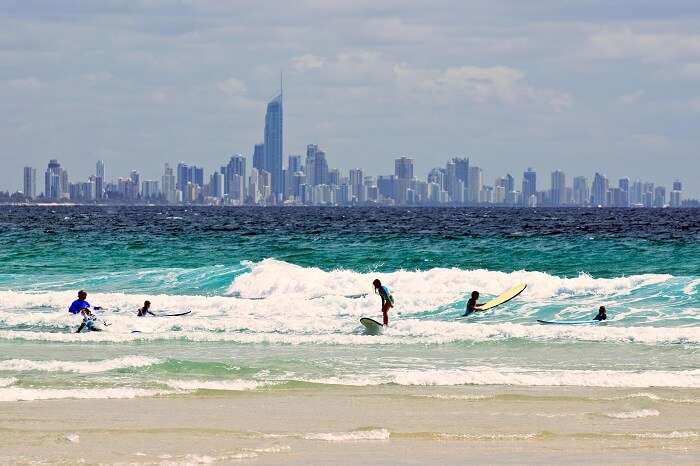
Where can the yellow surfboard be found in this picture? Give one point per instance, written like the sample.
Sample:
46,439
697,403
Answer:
503,297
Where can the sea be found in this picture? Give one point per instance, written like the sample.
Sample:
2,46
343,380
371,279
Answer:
276,295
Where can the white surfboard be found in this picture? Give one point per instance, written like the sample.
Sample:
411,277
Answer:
502,298
372,327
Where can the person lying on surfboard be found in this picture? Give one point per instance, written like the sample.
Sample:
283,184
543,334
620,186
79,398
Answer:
601,314
387,299
472,304
143,311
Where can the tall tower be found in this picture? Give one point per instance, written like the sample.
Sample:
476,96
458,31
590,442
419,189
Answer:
274,146
29,182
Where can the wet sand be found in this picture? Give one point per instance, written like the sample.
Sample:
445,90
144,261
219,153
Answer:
363,425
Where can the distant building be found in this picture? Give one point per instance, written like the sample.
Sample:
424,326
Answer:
581,193
54,179
169,185
659,196
99,179
403,168
274,142
599,190
236,167
259,156
529,185
558,188
29,184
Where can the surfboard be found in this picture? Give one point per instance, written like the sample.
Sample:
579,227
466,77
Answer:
569,322
174,314
372,326
503,297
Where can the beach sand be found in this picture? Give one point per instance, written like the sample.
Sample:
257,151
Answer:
361,425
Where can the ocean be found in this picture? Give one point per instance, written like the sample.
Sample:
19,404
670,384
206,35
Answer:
276,295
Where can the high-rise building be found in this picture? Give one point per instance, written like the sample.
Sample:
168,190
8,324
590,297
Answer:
529,185
136,180
274,146
216,185
99,179
259,156
183,175
676,194
29,184
403,168
624,199
599,190
169,185
149,190
53,179
558,190
476,183
235,166
636,192
357,185
581,192
462,171
659,196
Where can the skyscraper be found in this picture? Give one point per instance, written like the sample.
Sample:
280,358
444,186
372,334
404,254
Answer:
99,179
169,185
29,184
52,180
599,190
461,173
624,199
183,176
581,192
259,156
529,184
235,166
476,182
274,146
403,168
558,191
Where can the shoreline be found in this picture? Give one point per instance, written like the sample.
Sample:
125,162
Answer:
361,425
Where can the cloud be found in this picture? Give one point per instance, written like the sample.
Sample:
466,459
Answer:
644,47
232,87
307,62
631,98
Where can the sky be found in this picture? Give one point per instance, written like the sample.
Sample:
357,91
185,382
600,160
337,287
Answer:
577,85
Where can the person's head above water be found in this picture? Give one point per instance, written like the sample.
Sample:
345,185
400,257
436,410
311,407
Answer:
146,304
602,310
82,294
376,283
475,294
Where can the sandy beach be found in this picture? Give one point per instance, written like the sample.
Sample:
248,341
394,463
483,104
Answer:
377,425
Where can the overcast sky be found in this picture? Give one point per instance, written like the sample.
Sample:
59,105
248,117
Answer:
584,85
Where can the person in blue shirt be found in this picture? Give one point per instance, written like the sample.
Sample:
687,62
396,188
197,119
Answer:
601,314
82,307
387,299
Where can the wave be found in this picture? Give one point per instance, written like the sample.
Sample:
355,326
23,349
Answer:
639,413
6,382
353,436
31,394
525,377
219,385
83,367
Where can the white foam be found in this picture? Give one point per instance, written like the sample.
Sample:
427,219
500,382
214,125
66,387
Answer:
72,438
223,385
523,377
668,435
6,382
494,436
639,413
353,436
83,367
30,394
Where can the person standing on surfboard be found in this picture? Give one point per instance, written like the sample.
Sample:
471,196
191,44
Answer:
472,304
387,299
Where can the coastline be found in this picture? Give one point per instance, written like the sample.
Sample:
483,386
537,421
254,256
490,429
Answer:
361,425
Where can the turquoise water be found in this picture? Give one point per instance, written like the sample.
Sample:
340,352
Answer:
274,298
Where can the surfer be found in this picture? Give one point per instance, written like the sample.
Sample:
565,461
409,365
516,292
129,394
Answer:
601,314
472,304
387,299
145,309
82,307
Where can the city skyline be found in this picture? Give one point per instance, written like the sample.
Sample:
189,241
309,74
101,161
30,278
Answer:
576,86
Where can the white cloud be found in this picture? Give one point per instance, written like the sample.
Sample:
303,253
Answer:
631,98
645,47
232,87
307,62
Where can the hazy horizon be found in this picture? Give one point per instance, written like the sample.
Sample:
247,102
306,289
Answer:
584,87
